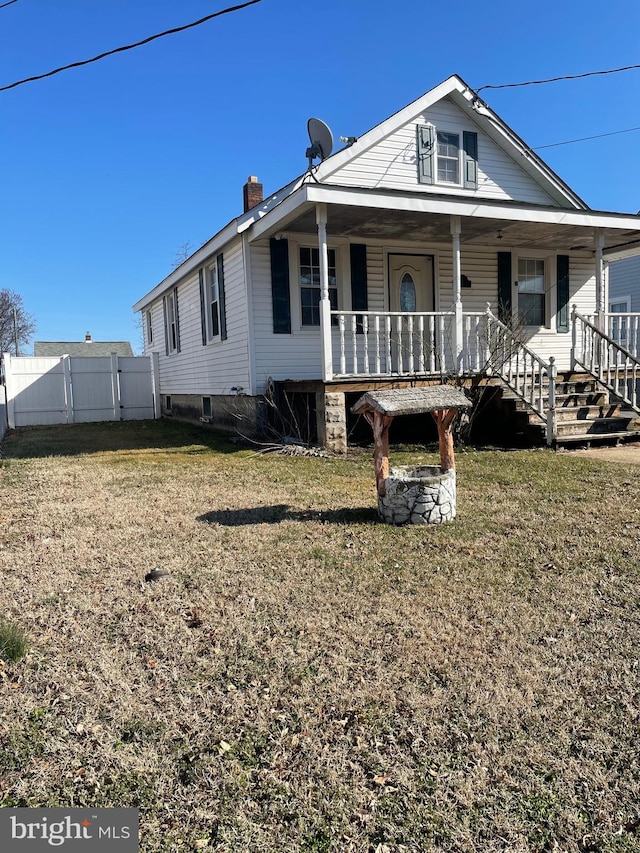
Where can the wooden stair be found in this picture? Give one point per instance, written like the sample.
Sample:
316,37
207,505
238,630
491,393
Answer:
586,414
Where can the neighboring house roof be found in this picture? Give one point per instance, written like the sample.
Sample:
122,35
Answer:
87,348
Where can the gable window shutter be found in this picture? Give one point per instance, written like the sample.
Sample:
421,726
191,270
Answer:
175,297
166,325
203,307
470,154
359,295
562,316
425,148
504,287
280,287
223,313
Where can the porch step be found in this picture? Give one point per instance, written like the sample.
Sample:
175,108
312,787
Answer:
599,425
585,413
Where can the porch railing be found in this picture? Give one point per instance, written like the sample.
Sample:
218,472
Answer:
391,343
615,366
382,344
528,376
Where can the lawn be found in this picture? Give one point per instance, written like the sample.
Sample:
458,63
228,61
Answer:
305,678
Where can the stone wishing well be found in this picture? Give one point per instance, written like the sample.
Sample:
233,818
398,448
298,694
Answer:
420,494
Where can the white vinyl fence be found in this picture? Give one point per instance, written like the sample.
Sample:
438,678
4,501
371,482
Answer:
79,389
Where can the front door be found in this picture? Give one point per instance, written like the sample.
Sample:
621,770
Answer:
411,291
411,282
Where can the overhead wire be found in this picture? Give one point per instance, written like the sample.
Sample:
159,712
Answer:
585,138
130,46
2,5
558,79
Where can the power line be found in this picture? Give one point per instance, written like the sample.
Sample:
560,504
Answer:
585,138
129,46
557,79
8,4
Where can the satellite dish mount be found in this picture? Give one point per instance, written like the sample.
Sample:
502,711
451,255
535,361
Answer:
321,140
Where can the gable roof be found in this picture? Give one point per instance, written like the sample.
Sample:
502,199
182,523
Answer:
467,100
54,349
315,186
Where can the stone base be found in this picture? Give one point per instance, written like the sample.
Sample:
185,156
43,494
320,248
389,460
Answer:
418,495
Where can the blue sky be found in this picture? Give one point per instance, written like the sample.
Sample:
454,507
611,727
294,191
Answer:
108,170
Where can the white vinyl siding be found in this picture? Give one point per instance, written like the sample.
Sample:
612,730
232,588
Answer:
215,369
624,281
392,162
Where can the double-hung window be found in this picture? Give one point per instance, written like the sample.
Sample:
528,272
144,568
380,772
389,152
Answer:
171,322
532,292
310,290
213,302
618,325
448,158
149,325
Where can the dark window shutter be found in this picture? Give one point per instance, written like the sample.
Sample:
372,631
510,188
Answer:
562,316
280,287
359,294
504,287
426,139
470,148
166,326
223,313
203,307
175,297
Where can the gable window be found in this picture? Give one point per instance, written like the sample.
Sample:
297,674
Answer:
171,322
149,325
448,157
309,278
531,292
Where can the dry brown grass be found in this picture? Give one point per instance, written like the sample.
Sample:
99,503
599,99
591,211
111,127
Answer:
307,679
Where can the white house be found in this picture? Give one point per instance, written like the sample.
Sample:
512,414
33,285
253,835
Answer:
436,244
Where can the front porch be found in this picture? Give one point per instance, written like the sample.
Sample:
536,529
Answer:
595,396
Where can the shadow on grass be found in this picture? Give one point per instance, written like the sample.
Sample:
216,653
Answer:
281,512
35,442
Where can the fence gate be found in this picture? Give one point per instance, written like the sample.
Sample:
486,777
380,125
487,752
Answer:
78,389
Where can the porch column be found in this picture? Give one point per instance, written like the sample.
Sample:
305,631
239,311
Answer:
600,294
458,333
325,304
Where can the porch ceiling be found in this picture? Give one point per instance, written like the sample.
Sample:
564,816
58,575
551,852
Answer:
370,223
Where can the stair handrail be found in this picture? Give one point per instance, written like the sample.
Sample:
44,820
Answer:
523,371
598,361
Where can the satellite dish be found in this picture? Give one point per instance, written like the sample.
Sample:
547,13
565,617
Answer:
321,140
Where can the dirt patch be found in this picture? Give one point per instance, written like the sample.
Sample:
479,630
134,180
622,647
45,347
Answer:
626,453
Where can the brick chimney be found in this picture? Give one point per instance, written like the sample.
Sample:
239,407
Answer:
87,338
252,193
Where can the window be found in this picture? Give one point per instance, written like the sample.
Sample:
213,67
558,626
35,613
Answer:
206,407
407,293
447,158
212,306
213,303
310,284
531,292
171,322
149,324
448,155
618,325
